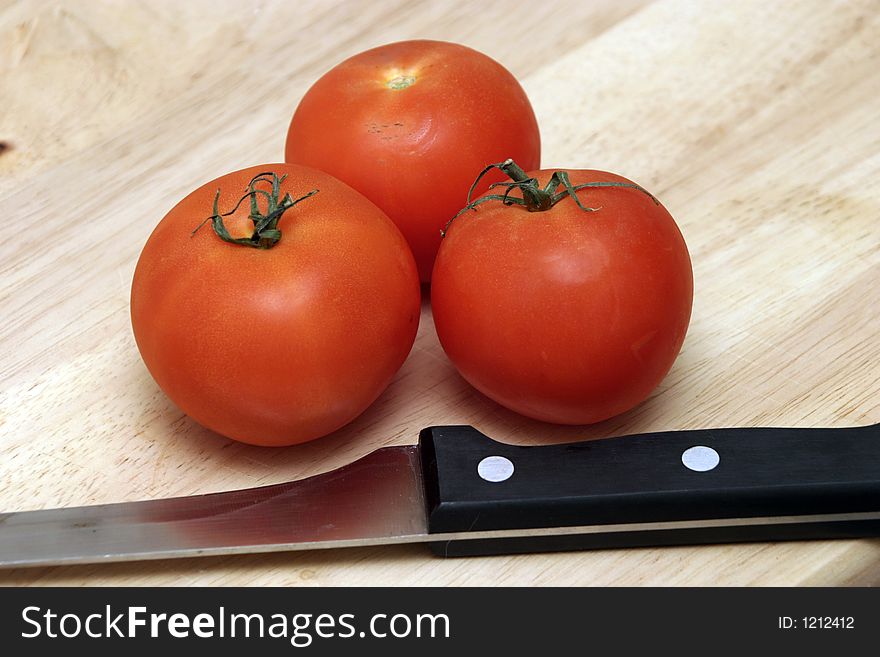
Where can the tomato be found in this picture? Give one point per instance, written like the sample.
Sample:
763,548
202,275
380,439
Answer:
281,344
407,125
564,315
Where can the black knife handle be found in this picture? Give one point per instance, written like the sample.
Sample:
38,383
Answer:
643,479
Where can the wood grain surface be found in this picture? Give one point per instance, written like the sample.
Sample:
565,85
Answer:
755,122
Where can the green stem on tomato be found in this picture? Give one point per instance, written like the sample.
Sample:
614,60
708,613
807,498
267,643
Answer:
266,233
534,198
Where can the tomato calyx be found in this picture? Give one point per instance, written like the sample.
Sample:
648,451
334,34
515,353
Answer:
266,233
534,198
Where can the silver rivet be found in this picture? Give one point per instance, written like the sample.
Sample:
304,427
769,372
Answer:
700,458
495,468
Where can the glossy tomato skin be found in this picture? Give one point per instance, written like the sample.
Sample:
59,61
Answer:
564,316
282,345
415,150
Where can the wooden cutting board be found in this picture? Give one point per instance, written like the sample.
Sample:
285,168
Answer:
756,123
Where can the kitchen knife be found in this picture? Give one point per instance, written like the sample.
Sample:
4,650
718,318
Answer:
465,494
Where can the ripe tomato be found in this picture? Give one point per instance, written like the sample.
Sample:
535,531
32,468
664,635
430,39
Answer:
407,125
564,315
276,345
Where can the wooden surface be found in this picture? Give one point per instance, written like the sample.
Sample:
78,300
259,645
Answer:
755,122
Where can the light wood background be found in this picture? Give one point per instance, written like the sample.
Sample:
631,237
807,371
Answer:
757,123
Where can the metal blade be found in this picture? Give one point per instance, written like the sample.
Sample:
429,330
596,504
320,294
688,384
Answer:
375,500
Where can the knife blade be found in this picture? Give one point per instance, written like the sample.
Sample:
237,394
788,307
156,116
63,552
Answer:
466,494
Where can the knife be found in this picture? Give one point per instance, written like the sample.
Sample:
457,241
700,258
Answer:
466,494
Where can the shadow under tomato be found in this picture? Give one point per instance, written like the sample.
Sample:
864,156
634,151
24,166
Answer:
507,426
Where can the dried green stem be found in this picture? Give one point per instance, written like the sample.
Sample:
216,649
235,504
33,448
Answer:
266,233
534,198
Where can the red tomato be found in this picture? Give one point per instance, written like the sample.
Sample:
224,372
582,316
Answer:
279,345
408,124
564,315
